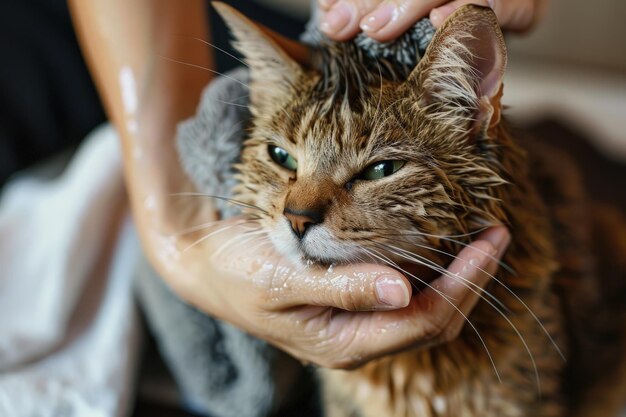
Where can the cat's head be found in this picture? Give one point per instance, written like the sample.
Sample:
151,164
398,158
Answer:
347,165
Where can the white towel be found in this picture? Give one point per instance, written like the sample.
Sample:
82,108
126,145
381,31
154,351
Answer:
68,326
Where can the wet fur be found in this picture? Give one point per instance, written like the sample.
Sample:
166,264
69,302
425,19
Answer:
463,171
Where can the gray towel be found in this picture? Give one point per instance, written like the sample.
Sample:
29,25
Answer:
221,370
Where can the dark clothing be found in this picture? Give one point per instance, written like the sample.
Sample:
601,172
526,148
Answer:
47,100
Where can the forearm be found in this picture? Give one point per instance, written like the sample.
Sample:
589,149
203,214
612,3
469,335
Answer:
129,47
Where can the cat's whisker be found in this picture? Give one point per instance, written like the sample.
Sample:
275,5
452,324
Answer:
261,88
447,299
264,240
221,50
459,235
508,289
379,256
260,244
498,281
217,197
233,104
194,228
487,293
253,230
224,138
238,240
458,242
258,234
377,260
495,299
207,236
240,97
205,69
421,260
465,282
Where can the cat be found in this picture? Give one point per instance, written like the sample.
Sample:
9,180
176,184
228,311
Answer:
353,160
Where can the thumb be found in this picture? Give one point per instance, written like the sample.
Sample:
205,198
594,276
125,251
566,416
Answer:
361,287
358,287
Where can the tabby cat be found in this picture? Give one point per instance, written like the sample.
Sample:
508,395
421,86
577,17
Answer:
352,158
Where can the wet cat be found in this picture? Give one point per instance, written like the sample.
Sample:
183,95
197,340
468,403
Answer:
353,159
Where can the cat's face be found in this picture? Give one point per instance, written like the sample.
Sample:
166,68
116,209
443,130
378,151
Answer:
360,180
341,181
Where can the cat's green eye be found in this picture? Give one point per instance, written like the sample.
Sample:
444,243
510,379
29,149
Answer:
380,170
282,158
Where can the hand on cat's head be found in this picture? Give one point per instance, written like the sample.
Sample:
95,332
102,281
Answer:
388,19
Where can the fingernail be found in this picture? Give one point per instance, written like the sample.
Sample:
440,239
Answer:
326,4
391,291
436,18
336,19
440,14
499,237
376,20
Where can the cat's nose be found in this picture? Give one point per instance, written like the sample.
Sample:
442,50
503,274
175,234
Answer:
301,220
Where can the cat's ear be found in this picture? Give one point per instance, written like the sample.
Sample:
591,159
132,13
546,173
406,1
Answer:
275,62
459,80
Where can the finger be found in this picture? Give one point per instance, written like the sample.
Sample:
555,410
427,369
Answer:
468,268
516,15
459,318
424,321
325,5
439,14
341,21
361,287
393,17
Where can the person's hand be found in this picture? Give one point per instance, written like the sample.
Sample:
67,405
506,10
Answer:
385,20
339,317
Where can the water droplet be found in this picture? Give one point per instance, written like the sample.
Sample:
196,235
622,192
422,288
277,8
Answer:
133,127
150,203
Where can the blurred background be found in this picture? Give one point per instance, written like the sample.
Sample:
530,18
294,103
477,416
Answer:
566,84
572,68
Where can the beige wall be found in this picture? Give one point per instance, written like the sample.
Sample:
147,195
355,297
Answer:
587,31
